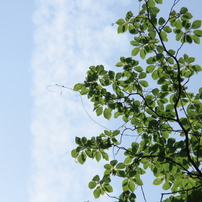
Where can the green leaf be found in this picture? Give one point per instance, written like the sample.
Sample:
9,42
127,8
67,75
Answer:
116,132
151,3
196,24
144,83
167,29
132,29
127,160
196,39
96,178
151,60
84,91
108,188
166,185
183,10
138,181
97,156
135,51
172,52
92,184
150,68
179,36
119,64
138,69
142,75
107,113
155,75
78,86
159,1
99,111
89,153
129,15
105,156
187,38
187,16
125,185
74,153
96,193
198,32
134,43
113,162
122,28
161,21
120,166
163,36
82,158
142,53
107,166
131,186
158,181
120,22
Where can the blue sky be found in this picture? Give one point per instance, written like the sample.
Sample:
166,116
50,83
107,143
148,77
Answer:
45,43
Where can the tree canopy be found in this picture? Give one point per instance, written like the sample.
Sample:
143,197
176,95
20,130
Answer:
149,92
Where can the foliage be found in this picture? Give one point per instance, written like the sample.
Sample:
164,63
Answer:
166,117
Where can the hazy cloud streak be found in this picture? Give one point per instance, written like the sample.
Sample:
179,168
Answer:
70,36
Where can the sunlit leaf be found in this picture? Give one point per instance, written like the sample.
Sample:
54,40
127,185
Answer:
166,186
198,32
107,113
99,111
120,166
135,51
144,83
158,181
92,184
151,3
120,22
78,86
196,39
161,21
196,24
138,181
108,188
97,156
96,193
131,186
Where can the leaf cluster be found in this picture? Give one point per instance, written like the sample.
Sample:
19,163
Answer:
167,118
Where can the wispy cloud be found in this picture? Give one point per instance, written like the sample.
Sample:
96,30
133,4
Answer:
70,36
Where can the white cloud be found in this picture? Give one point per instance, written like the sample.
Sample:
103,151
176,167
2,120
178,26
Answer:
70,36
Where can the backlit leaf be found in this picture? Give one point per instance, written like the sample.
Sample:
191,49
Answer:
96,193
120,22
196,24
135,51
107,113
92,184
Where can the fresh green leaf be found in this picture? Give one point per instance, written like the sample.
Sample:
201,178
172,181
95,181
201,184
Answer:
120,166
120,22
196,24
97,193
144,83
92,184
135,51
107,113
108,188
131,186
99,111
166,185
119,64
198,32
78,86
97,156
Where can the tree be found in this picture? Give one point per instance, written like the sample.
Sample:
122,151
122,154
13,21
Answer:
165,115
